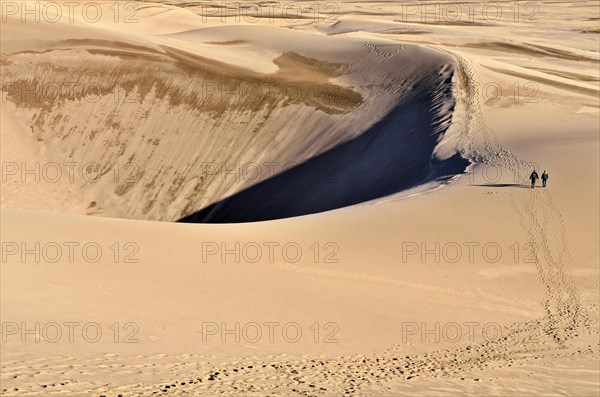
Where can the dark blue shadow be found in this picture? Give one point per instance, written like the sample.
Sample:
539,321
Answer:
394,154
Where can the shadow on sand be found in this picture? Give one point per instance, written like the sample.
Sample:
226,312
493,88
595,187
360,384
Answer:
518,185
392,155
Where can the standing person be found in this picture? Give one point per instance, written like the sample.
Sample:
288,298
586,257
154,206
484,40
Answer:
534,177
544,178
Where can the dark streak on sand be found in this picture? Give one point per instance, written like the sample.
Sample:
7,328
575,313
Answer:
394,154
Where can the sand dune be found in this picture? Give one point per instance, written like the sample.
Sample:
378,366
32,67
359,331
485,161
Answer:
205,98
421,265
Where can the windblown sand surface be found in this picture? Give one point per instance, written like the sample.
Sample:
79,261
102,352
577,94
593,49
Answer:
422,264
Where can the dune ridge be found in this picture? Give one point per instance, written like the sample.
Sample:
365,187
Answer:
396,153
171,166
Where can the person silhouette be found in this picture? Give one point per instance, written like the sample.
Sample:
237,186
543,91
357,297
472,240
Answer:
544,178
533,177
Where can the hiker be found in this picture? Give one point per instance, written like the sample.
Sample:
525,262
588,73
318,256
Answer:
534,177
544,178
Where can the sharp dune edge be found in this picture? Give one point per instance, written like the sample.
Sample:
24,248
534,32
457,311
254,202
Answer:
392,295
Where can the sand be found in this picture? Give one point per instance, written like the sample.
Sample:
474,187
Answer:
467,284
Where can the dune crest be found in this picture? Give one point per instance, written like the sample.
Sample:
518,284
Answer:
146,166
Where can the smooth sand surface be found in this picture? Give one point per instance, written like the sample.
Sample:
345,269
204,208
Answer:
470,285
